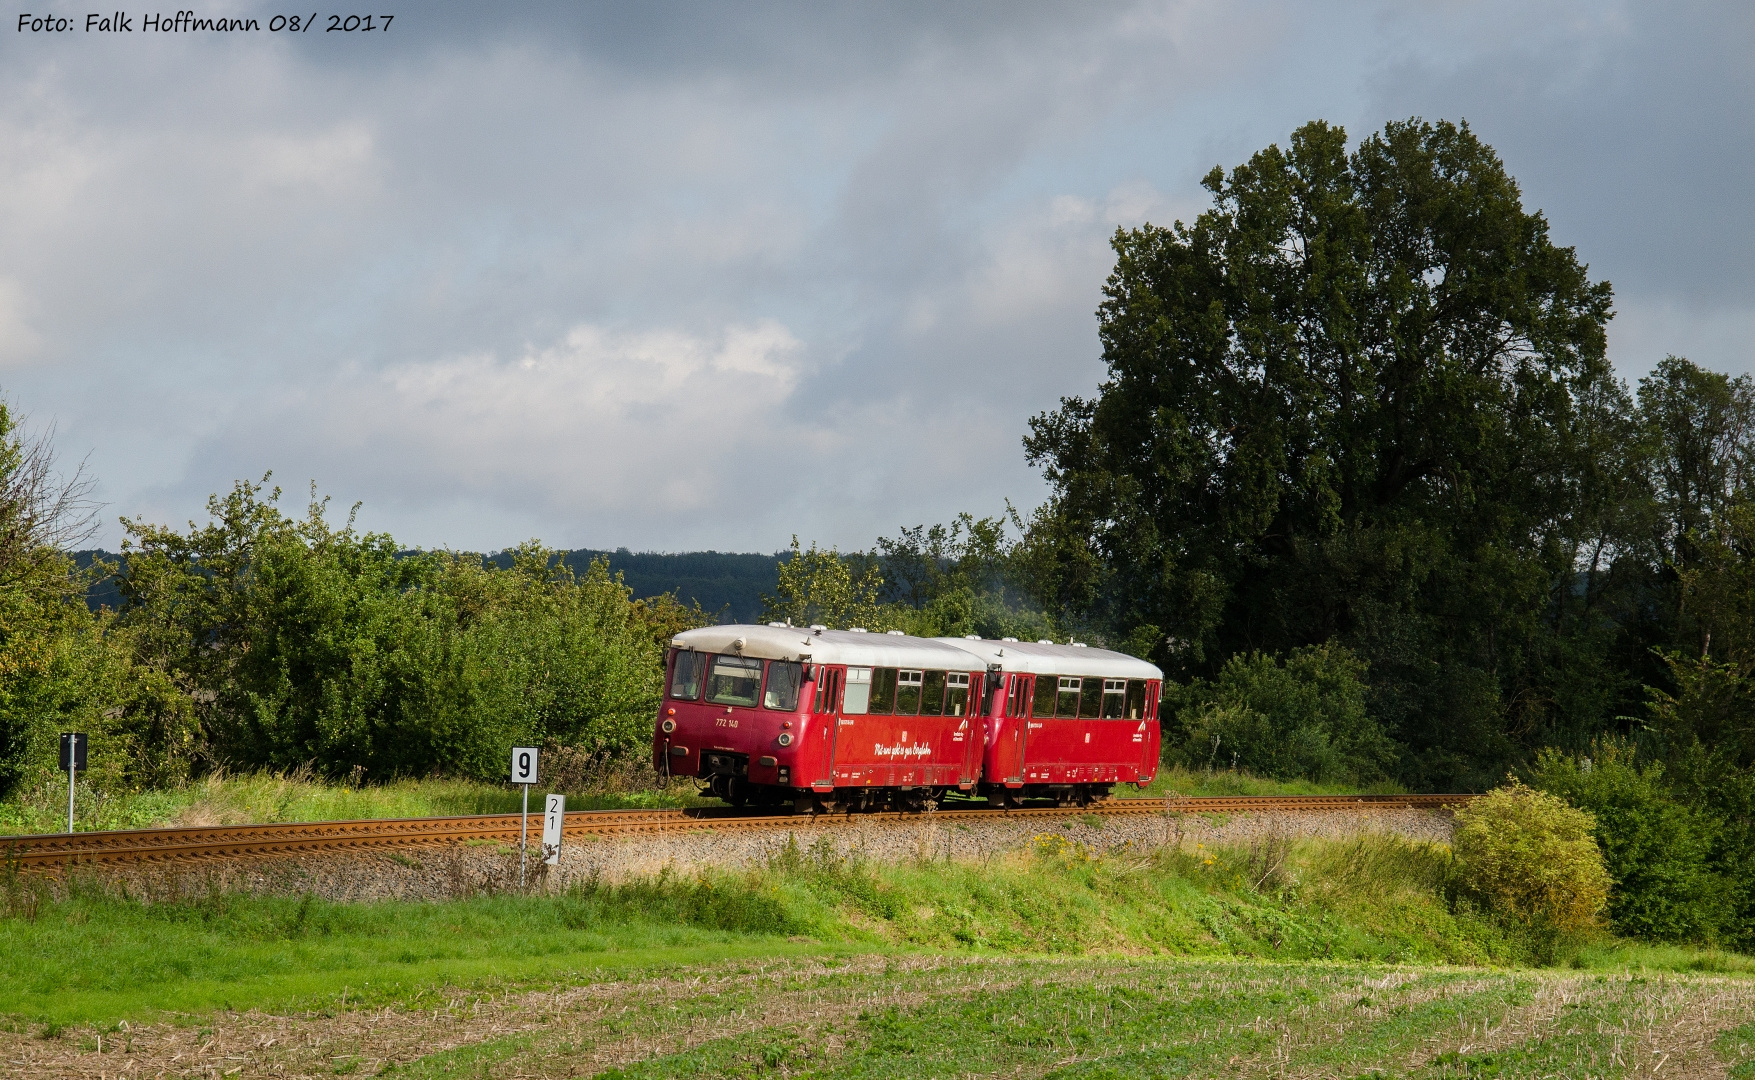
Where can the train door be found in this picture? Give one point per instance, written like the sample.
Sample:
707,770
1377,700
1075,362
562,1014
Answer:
826,708
1117,742
1009,758
963,707
1151,731
846,767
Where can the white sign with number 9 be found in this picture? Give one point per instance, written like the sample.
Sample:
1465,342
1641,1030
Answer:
524,764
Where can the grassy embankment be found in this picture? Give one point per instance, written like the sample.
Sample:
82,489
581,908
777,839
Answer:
1053,961
99,957
249,798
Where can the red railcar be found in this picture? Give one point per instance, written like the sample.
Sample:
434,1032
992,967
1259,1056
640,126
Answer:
769,714
1065,721
772,714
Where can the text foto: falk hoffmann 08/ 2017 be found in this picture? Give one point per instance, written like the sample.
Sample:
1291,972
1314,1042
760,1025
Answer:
188,22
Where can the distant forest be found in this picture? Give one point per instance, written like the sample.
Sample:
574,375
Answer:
728,586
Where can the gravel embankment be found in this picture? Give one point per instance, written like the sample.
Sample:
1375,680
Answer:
433,873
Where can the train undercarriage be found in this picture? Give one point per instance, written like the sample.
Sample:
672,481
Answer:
731,784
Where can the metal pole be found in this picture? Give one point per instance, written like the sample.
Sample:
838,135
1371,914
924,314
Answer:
523,834
72,770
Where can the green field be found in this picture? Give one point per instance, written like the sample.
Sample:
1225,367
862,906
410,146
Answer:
1322,958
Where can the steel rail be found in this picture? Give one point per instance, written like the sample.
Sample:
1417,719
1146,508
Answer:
49,850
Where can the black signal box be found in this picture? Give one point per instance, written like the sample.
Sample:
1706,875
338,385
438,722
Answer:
73,745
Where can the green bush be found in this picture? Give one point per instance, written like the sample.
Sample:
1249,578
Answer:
1531,857
306,644
1304,718
1658,849
1713,783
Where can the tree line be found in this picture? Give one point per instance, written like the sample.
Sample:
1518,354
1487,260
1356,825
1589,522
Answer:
264,640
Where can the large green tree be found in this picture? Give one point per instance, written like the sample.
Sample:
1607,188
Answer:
1363,398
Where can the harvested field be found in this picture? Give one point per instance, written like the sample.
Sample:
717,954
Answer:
937,1016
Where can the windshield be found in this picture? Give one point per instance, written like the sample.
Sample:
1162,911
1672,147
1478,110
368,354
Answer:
735,680
685,677
784,678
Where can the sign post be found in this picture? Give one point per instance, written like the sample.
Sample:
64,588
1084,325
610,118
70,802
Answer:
73,744
524,762
554,816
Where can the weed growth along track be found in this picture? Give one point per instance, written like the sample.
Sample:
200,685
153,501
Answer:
246,841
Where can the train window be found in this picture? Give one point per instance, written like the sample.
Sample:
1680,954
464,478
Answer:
908,692
734,680
784,678
883,690
1091,700
1136,699
956,694
1114,696
932,694
858,695
685,677
1043,702
1067,701
827,682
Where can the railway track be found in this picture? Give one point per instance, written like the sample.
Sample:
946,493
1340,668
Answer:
54,850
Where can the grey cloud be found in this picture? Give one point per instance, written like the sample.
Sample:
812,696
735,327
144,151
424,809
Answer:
1633,127
334,258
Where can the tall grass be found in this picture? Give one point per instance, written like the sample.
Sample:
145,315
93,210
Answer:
268,797
1206,783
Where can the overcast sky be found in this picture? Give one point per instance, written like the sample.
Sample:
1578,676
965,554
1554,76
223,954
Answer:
683,276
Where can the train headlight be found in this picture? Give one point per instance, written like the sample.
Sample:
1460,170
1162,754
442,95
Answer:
668,726
785,738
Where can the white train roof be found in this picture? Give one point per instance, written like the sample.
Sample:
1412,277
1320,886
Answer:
830,647
1041,659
